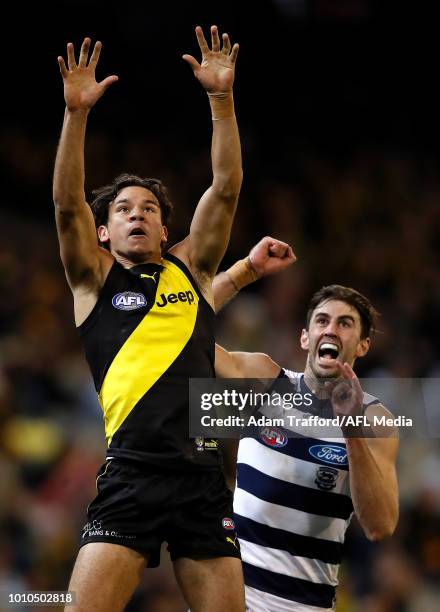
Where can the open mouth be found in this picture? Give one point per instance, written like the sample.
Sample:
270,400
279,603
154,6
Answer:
328,351
137,231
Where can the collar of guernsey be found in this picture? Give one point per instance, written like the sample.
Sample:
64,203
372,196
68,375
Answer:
130,377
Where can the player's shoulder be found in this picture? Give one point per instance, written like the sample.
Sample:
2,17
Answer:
178,254
291,374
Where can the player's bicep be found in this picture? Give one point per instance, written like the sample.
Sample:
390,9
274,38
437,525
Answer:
210,231
244,365
79,248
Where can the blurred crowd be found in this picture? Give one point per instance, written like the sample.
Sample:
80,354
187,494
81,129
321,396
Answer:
370,219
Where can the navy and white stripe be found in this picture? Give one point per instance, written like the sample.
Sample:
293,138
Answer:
292,507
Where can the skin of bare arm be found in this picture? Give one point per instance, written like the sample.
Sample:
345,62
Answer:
372,460
85,263
240,365
204,247
236,364
267,257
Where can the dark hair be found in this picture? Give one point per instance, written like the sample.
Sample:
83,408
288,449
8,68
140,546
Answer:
368,314
105,195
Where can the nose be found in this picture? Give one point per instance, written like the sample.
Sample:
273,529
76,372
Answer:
137,214
331,328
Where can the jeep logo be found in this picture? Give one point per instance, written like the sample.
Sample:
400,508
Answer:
172,298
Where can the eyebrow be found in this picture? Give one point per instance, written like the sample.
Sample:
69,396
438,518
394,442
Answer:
127,200
325,314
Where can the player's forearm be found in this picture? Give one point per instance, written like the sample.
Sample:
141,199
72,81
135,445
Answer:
226,149
68,182
223,290
374,493
226,284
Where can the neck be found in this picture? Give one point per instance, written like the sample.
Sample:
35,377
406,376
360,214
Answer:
130,262
315,384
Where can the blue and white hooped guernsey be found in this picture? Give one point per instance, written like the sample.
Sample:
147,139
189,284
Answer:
292,507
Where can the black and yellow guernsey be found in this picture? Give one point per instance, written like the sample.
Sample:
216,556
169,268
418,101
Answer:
149,332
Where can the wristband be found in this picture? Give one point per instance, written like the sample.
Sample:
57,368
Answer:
222,105
242,273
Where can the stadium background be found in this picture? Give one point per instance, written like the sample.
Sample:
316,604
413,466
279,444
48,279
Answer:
337,103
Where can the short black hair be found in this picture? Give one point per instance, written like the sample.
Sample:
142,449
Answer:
105,195
367,313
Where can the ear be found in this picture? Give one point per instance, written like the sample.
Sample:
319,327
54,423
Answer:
304,340
363,347
164,236
103,234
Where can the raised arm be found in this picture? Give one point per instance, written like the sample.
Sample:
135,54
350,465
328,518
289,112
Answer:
372,460
83,260
267,257
210,229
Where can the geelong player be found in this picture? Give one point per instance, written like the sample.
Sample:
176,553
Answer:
295,495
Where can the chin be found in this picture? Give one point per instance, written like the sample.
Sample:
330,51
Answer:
330,372
136,256
139,256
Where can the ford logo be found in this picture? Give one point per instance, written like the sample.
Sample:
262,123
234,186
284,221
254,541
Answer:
329,453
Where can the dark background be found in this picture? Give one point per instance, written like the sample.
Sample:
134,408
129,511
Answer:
337,103
327,77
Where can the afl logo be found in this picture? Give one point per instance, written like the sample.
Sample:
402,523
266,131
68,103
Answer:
329,453
228,524
273,437
129,300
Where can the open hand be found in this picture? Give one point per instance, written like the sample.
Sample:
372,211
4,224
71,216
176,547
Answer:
271,255
346,393
217,70
81,90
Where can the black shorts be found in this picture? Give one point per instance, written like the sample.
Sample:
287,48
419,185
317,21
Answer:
141,506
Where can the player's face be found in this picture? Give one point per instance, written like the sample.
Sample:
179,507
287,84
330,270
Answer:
334,334
134,229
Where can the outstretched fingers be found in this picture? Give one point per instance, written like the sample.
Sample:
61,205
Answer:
227,48
105,83
63,67
71,62
191,61
349,378
234,53
215,44
202,41
83,57
353,378
215,40
96,53
226,44
84,53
